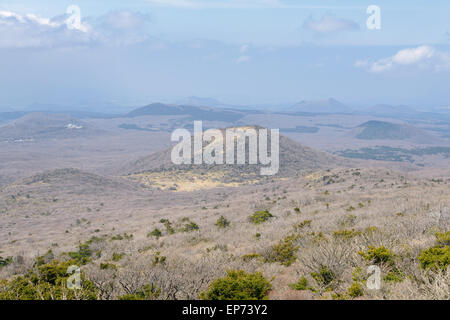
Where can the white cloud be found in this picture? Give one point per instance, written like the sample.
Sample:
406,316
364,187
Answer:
329,24
414,55
11,18
29,30
422,57
119,28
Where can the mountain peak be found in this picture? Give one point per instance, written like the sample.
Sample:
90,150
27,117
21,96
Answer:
329,105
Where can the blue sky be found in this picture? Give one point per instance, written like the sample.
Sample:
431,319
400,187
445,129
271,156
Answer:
129,53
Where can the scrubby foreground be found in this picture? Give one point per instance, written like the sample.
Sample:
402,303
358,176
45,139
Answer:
312,236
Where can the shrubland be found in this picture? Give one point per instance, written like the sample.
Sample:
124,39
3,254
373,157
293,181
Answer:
316,238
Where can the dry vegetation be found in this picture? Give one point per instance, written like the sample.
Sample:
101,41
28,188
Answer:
312,236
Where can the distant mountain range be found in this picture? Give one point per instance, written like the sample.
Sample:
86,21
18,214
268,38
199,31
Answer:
385,109
320,106
194,112
330,105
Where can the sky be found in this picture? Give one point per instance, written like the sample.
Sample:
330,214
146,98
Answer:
242,52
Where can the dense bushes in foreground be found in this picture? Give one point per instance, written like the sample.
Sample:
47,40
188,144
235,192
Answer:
238,285
437,257
46,282
287,254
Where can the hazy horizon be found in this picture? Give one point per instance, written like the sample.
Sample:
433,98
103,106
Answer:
244,53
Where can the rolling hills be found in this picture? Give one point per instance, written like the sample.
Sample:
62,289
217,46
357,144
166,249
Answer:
41,125
381,130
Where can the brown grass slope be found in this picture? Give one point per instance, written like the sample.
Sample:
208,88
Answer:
294,158
329,216
41,125
69,181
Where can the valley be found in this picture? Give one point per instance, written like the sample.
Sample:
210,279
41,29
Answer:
115,190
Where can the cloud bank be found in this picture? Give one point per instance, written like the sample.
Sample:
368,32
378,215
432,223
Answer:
31,31
329,24
421,58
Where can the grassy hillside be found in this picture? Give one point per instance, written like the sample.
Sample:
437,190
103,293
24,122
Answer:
309,237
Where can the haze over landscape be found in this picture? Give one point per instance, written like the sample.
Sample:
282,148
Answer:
88,107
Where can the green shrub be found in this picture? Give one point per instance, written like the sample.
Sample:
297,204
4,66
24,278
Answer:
83,255
324,277
380,255
117,237
45,258
158,259
250,256
125,236
222,222
393,276
5,261
107,266
117,256
443,238
283,252
238,285
383,256
190,226
168,225
46,282
346,234
317,237
435,258
303,224
339,296
260,216
358,275
302,284
155,233
355,290
147,292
